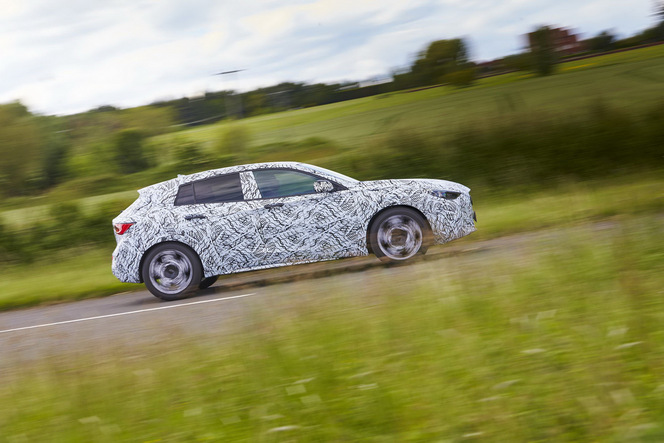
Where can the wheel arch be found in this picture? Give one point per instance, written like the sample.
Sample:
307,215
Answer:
160,243
387,208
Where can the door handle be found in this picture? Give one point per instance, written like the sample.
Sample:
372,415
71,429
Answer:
194,216
273,205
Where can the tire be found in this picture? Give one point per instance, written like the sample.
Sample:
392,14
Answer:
399,234
171,271
207,282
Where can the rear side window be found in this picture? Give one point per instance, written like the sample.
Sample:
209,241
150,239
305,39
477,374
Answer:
185,195
219,189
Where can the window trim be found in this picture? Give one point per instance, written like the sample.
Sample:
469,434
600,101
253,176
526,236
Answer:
337,186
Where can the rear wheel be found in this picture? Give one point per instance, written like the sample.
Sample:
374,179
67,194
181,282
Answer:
399,234
171,271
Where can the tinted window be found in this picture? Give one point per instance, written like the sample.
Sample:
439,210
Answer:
224,188
185,195
220,189
282,183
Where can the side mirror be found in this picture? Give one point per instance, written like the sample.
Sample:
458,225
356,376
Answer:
323,186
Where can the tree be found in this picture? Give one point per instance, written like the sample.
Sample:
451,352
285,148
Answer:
255,103
20,148
55,151
659,28
460,78
442,57
543,51
128,148
602,42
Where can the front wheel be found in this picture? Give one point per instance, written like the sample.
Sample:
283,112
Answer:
399,234
171,271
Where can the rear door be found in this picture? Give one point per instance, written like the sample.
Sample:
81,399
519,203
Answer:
218,221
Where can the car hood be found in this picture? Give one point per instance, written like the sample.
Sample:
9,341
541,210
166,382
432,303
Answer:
426,184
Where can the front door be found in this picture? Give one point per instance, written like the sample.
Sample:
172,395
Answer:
297,224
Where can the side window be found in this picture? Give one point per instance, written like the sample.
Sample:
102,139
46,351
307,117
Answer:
219,189
185,195
283,183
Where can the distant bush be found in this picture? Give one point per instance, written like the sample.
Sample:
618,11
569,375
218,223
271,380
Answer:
310,149
536,150
67,226
129,151
460,78
234,141
188,152
540,149
401,153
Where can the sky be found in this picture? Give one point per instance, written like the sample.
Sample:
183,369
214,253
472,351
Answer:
67,56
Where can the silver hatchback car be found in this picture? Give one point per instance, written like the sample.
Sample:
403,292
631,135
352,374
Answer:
179,235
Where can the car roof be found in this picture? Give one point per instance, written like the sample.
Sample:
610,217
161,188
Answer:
180,179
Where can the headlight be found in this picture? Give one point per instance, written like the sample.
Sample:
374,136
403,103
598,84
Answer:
447,195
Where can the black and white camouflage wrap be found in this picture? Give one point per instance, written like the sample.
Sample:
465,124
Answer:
247,235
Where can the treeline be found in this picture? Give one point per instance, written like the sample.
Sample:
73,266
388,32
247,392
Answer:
215,106
39,152
603,42
443,61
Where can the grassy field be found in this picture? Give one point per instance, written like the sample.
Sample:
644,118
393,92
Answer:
62,277
560,340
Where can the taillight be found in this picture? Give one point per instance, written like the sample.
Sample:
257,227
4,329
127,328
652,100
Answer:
121,228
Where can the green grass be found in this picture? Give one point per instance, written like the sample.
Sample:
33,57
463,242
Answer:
561,341
570,203
61,277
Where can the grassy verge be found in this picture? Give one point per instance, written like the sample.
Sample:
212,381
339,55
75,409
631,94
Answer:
69,275
73,276
572,203
560,341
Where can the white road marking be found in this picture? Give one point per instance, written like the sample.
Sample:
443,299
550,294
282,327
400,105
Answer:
125,313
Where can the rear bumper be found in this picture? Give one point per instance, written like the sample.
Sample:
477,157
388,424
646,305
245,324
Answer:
126,264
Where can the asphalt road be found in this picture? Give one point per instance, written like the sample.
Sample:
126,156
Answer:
127,319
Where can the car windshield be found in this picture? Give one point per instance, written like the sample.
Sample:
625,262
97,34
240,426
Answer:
333,174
